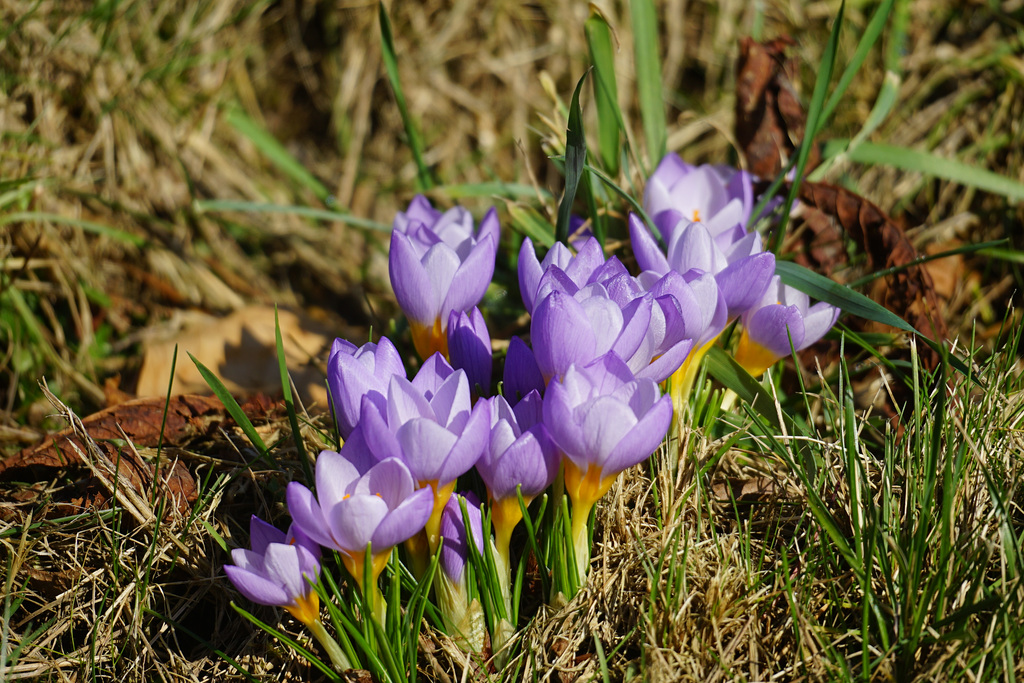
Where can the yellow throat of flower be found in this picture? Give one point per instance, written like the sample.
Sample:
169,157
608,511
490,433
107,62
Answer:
429,340
754,358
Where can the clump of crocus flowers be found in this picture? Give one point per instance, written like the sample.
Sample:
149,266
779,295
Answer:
583,400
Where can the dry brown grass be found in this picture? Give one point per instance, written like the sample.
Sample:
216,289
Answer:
115,114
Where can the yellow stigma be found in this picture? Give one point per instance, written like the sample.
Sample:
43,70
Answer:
696,215
429,340
754,358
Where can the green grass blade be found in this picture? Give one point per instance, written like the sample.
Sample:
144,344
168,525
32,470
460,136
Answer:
289,403
648,78
932,165
231,405
276,153
217,205
425,179
872,32
531,223
814,119
606,90
824,289
575,157
290,642
491,189
87,226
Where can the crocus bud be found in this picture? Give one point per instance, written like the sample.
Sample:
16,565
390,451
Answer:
469,347
464,616
438,264
578,269
279,570
521,374
784,316
354,372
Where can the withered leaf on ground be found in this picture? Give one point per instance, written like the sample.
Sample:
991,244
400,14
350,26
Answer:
188,417
769,118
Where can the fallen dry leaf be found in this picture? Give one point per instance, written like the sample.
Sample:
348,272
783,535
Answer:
241,350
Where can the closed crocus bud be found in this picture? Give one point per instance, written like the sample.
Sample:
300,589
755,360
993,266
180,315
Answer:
577,269
521,374
469,348
279,570
520,456
463,615
354,372
718,196
351,511
439,263
784,316
604,420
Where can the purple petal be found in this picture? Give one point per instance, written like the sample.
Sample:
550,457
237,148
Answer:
561,334
530,272
410,281
425,445
334,476
471,278
521,373
405,521
354,520
261,534
645,248
818,320
257,588
744,282
307,514
643,439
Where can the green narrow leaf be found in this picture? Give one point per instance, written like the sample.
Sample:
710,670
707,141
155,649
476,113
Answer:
289,403
648,78
575,157
214,205
491,189
87,226
425,179
275,152
606,90
872,32
531,223
231,405
814,111
929,164
829,291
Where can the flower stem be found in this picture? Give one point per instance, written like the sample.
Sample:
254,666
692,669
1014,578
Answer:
338,658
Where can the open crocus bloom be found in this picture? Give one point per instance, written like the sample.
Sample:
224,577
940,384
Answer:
438,264
354,372
721,197
352,512
604,420
279,570
430,426
783,316
741,267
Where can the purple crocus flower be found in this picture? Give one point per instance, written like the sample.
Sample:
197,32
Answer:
521,374
279,570
740,266
718,196
604,420
463,615
520,455
433,429
354,372
577,269
351,511
438,264
455,552
469,347
784,314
